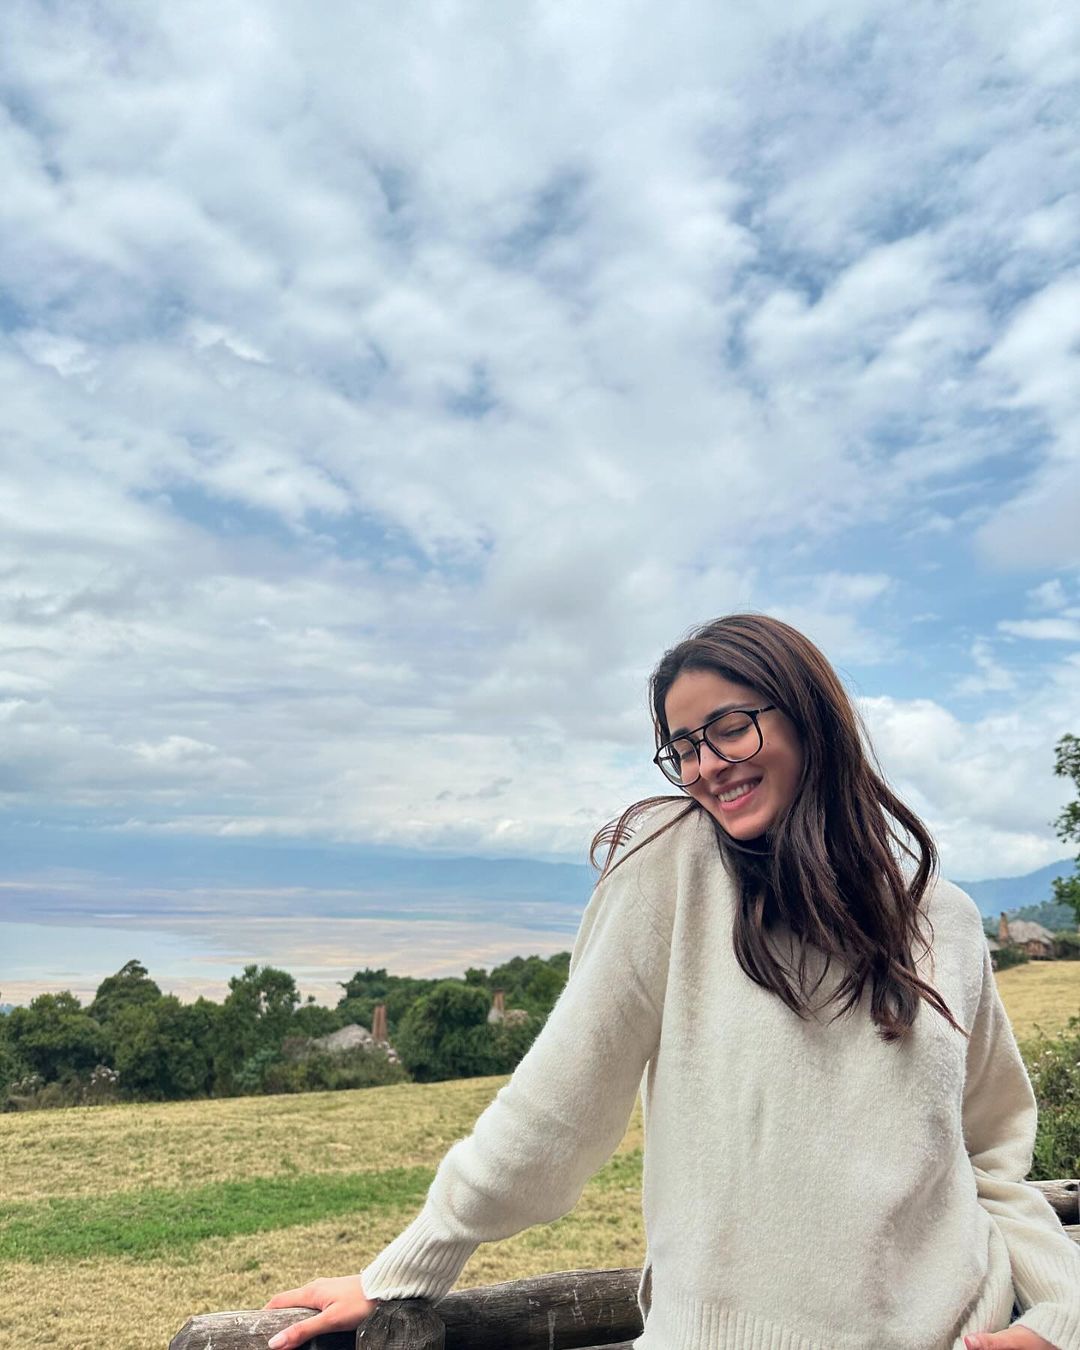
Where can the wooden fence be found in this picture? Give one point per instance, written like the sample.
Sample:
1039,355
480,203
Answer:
573,1309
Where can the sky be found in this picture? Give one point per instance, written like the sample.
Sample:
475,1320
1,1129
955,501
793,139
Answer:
381,396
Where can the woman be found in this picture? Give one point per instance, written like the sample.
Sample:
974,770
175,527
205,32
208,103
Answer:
837,1119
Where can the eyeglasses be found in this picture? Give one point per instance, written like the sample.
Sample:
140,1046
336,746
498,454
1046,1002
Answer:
734,736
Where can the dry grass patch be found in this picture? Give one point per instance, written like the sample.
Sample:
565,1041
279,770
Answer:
94,1150
1040,993
138,1305
134,1305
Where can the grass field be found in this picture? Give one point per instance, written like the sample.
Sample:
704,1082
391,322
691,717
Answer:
1040,994
116,1223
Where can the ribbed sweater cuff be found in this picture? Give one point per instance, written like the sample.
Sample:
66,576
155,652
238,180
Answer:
421,1263
1060,1326
1052,1288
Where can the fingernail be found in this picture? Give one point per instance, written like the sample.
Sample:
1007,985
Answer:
275,1341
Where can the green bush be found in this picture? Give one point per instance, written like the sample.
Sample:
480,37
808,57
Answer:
250,1078
55,1036
9,1065
100,1087
1008,956
357,1068
446,1034
1067,946
161,1049
441,1033
1053,1063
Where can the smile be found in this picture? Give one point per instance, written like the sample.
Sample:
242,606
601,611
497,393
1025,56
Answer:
736,795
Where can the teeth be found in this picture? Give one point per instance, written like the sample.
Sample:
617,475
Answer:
734,793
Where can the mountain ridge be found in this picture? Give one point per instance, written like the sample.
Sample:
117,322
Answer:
996,895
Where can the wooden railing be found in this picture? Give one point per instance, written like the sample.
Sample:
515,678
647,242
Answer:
566,1311
570,1309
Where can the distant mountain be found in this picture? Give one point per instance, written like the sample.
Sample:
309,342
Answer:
1006,894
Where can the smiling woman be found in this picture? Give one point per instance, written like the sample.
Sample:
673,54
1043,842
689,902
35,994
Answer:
712,763
814,1178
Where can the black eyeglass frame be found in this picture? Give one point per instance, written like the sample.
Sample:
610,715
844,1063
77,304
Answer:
752,713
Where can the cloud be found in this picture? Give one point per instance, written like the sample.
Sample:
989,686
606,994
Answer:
1043,630
986,787
990,677
1049,594
378,402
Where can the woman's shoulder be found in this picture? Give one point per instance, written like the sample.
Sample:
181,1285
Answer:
949,905
668,842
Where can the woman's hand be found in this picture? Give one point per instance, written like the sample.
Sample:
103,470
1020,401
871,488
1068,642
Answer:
1012,1338
342,1302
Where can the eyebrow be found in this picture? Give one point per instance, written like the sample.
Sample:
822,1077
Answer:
716,712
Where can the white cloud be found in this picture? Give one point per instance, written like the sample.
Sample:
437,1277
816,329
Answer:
1043,630
985,788
990,677
1049,594
380,400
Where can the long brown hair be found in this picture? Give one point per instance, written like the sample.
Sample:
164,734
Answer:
830,867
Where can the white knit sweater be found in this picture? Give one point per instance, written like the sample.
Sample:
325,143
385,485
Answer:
806,1186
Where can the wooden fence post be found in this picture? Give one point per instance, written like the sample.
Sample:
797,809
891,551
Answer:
405,1324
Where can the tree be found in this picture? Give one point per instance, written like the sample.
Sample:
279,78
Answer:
314,1020
531,982
9,1065
162,1050
130,986
255,1018
446,1034
368,987
1067,765
437,1037
56,1037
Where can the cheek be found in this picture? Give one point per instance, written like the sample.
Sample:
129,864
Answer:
790,764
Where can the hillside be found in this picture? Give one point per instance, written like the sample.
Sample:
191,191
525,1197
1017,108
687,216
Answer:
997,894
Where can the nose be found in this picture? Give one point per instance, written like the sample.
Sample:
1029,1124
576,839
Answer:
710,763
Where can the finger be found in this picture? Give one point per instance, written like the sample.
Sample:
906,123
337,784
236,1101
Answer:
293,1298
300,1332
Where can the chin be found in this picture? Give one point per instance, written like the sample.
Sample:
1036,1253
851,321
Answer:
745,834
754,827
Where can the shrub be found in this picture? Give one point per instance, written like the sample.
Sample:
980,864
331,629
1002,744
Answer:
1067,946
55,1036
442,1032
1053,1064
33,1093
358,1068
250,1078
1008,956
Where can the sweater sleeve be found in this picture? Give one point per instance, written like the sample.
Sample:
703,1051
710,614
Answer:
564,1110
1000,1117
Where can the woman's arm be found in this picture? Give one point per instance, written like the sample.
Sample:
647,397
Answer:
1000,1117
564,1110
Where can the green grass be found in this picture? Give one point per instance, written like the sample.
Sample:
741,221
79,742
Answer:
152,1223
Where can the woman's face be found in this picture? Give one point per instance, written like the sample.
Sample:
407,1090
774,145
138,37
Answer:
748,798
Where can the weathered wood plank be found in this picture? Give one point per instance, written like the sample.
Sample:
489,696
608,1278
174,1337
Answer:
250,1330
1064,1195
571,1309
408,1324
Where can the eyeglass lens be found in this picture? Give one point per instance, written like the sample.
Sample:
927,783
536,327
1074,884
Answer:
734,737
